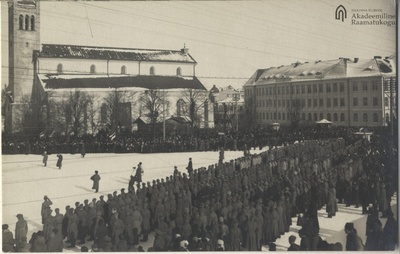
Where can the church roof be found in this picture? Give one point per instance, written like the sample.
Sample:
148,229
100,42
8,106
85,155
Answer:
111,53
50,82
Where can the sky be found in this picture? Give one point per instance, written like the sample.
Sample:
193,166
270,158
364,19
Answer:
230,40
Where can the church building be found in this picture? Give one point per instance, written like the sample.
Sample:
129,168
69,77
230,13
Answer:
75,89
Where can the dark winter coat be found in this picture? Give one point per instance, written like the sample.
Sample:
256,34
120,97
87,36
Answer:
96,180
59,161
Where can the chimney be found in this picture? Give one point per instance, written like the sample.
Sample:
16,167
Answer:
184,50
377,57
356,60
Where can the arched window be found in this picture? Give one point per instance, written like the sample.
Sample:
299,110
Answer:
123,69
328,116
321,116
342,117
365,117
178,71
59,68
33,23
279,116
309,117
375,116
355,117
315,117
180,107
335,117
283,116
21,22
152,70
93,69
26,22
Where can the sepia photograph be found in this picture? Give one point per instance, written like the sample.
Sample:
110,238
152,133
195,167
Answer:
142,126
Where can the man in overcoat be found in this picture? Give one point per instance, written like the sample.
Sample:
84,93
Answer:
96,180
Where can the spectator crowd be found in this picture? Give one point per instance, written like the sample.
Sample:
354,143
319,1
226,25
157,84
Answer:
238,205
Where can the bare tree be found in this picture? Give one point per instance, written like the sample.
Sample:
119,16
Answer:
117,104
294,111
154,104
70,114
194,99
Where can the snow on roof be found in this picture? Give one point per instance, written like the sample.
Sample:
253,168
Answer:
337,68
112,53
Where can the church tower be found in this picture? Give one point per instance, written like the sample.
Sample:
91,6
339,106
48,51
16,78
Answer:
24,39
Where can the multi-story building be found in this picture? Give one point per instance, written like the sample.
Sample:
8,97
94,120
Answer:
357,92
228,105
111,83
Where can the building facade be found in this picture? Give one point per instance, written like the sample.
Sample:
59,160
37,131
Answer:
228,106
95,87
347,92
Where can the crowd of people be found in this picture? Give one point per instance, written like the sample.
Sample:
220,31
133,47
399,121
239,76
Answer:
238,205
204,140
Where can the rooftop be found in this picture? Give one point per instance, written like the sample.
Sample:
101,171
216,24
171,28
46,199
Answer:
328,69
112,53
50,82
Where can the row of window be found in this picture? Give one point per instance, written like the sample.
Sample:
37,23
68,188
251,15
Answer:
123,70
314,117
26,23
319,103
313,88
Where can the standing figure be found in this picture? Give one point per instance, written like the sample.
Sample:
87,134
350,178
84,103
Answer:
353,241
221,155
45,157
96,179
21,228
139,172
59,161
190,167
83,151
45,207
8,239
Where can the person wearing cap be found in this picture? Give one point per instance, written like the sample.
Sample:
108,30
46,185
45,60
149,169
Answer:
293,246
139,172
8,239
45,207
96,180
353,241
59,161
21,228
58,220
45,158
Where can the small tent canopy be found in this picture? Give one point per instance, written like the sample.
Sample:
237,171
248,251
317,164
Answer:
323,121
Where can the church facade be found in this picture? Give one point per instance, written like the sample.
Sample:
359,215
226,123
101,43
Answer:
73,89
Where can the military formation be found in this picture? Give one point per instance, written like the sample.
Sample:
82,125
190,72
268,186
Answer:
242,204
